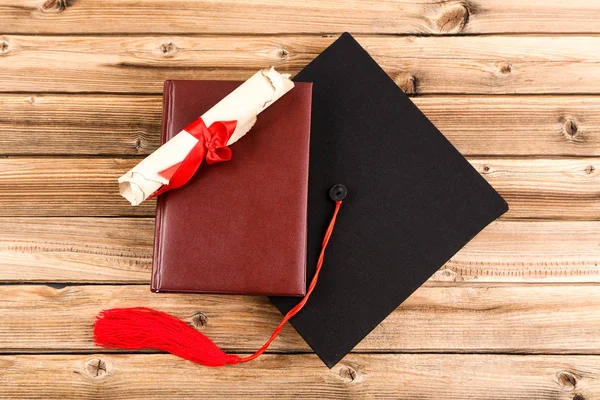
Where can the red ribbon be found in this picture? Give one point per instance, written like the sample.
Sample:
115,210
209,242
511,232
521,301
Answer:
212,145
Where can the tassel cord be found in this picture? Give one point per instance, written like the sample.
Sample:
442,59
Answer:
311,287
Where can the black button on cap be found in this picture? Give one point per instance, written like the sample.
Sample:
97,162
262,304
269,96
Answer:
338,192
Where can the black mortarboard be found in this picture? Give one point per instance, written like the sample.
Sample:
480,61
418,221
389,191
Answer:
413,200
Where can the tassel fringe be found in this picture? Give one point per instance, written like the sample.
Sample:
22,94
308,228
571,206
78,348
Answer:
144,328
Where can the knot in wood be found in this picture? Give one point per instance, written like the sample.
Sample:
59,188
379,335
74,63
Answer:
505,69
4,46
578,397
199,320
168,49
96,368
590,169
351,372
139,144
282,53
567,380
54,6
452,18
570,127
408,83
449,275
348,374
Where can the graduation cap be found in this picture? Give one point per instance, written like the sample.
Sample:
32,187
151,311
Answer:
413,200
407,202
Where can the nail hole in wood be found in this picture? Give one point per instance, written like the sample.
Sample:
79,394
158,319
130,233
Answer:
485,169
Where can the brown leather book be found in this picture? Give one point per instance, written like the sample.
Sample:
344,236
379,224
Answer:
237,226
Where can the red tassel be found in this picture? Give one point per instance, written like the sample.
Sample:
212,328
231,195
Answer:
144,328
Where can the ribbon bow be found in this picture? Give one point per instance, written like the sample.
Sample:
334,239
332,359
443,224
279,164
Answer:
212,145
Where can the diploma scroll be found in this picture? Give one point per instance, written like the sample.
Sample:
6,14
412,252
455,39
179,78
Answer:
241,107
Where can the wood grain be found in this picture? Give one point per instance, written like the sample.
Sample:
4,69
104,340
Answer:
312,16
76,249
119,250
81,124
534,188
457,318
130,124
514,86
66,186
373,376
458,64
545,188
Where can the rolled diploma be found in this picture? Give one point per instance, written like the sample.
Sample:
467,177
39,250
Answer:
242,105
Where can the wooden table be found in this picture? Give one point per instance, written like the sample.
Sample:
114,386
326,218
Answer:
513,84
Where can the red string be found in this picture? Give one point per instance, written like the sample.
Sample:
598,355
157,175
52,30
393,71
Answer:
311,287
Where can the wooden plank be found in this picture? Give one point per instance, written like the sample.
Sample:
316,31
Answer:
312,16
76,249
528,251
66,186
459,64
537,188
359,376
112,250
545,188
130,124
80,124
457,318
517,125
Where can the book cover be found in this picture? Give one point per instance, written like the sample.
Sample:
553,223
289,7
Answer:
238,227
